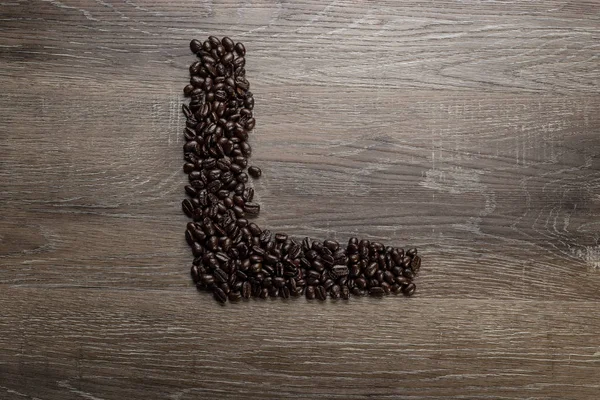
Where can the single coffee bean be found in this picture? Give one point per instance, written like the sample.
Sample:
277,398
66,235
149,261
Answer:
252,208
220,295
227,43
409,289
345,292
310,292
321,293
335,292
195,46
188,208
376,291
415,264
254,172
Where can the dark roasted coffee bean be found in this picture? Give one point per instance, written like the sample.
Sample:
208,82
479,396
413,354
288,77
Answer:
335,292
332,245
254,172
328,284
242,177
195,274
345,292
188,208
273,291
411,252
361,283
371,270
415,264
252,208
239,212
408,273
310,292
234,296
246,290
339,271
248,194
240,49
321,293
389,277
219,295
195,46
266,236
409,289
227,43
376,291
285,292
187,90
379,276
386,287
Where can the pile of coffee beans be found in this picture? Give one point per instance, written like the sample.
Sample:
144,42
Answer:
233,257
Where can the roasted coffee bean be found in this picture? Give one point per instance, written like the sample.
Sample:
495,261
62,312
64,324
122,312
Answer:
273,291
328,284
310,292
252,208
415,264
386,287
339,271
195,274
188,208
409,289
376,291
227,43
285,292
361,283
254,172
332,245
335,292
345,292
246,290
220,295
371,270
411,252
234,296
321,293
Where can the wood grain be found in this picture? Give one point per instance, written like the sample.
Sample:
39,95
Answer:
469,129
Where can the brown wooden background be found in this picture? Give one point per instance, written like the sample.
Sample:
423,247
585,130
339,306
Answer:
469,129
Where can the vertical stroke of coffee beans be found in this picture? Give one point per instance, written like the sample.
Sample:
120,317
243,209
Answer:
233,257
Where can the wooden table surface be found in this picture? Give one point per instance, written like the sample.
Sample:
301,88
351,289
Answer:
469,129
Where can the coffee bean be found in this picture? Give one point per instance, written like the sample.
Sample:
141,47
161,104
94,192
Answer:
320,293
254,172
227,43
415,264
409,289
335,292
252,208
188,207
220,295
376,291
195,46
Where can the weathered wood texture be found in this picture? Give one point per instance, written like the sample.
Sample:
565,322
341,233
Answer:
468,129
